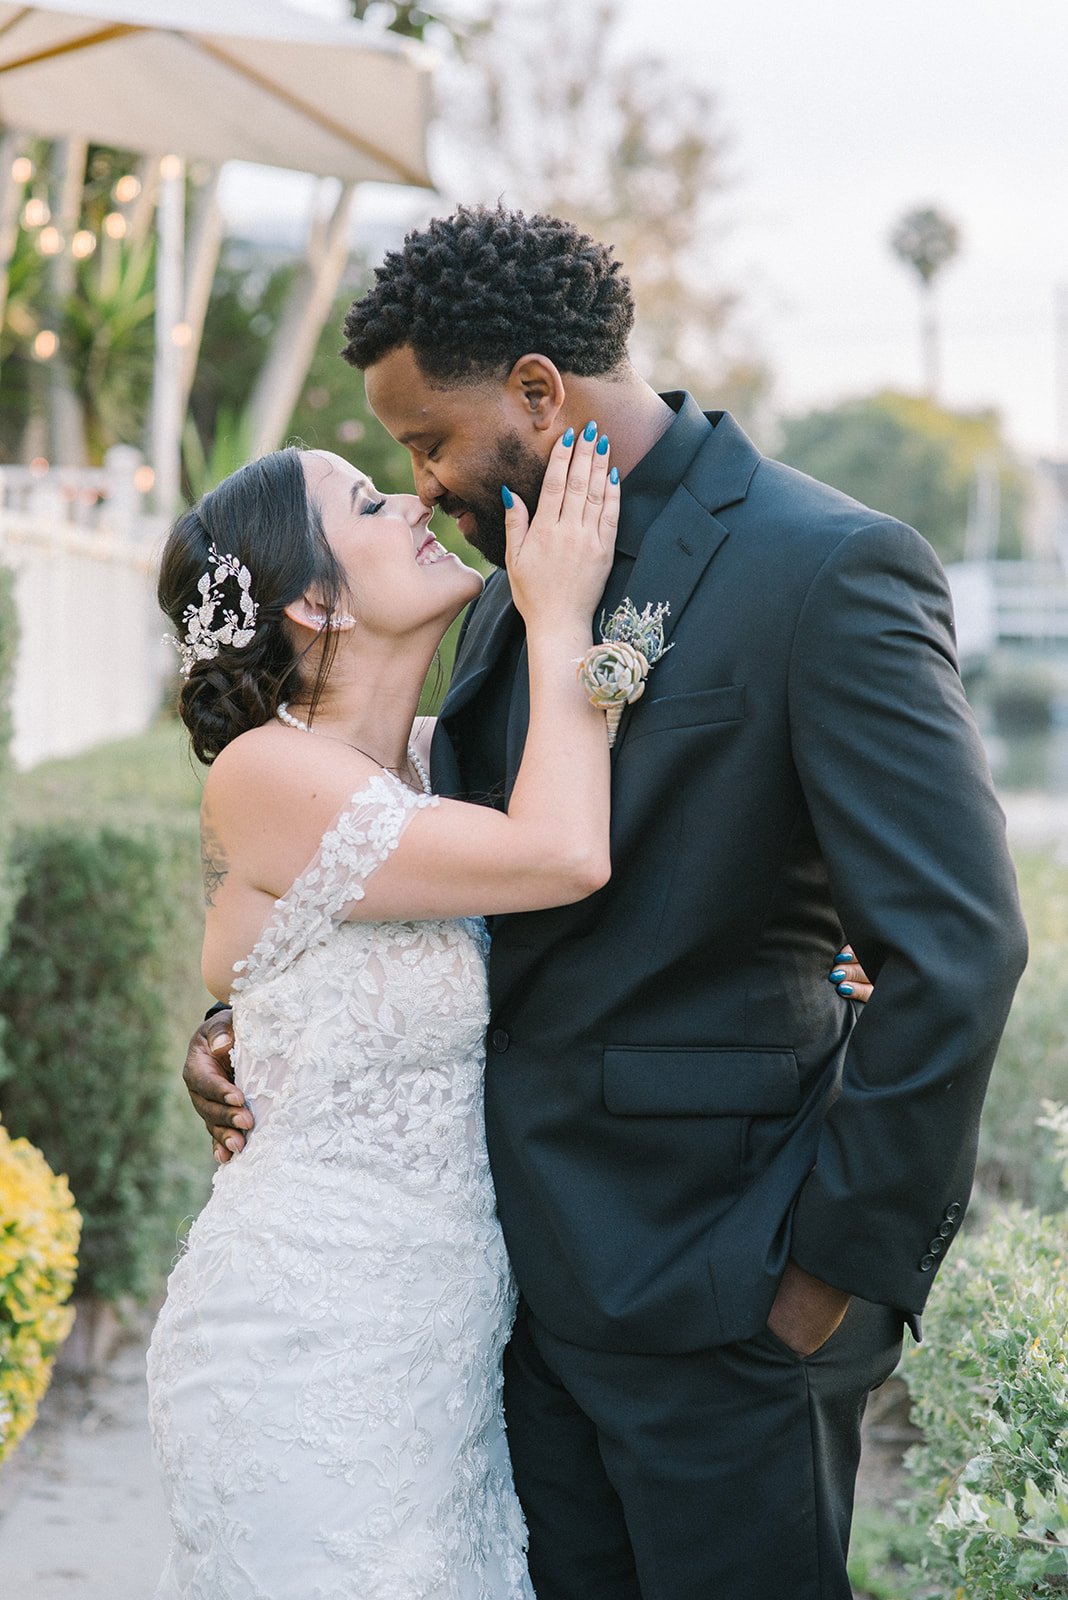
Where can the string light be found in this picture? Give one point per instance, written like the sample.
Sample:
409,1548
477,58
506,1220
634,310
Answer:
144,480
127,189
182,335
39,466
83,244
35,213
45,346
22,169
170,167
115,225
50,241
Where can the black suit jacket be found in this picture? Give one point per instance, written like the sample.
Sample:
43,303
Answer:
676,1099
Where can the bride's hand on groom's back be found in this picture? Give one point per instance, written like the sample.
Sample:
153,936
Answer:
849,977
209,1079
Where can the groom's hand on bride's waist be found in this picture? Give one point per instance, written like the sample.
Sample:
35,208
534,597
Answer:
209,1079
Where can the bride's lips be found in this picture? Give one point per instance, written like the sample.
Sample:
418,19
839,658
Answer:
430,552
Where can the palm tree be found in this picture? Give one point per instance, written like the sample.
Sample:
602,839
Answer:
926,239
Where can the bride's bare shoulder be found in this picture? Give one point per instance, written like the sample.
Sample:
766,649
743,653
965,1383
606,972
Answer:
278,769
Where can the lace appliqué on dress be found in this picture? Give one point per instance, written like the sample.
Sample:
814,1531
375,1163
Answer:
362,835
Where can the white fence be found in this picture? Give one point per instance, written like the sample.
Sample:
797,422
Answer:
91,666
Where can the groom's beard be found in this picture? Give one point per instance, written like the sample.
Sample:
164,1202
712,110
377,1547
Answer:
512,463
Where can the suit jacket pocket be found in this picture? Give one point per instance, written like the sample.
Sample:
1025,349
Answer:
724,704
691,1081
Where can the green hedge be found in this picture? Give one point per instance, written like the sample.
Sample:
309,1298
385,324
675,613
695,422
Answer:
99,989
1032,1062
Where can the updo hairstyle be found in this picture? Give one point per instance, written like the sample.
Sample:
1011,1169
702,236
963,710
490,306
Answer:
262,515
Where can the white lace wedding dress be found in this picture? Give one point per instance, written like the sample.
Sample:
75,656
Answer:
324,1378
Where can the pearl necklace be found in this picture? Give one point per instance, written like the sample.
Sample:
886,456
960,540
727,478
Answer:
284,714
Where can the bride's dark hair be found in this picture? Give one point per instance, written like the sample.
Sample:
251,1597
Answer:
262,515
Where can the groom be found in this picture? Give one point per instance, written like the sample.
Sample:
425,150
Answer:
721,1197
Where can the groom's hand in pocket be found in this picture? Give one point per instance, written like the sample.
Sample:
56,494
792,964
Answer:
209,1079
806,1311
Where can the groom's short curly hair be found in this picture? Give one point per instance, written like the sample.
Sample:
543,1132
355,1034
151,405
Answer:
473,292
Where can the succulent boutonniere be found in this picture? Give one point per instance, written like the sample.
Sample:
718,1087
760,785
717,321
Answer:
614,672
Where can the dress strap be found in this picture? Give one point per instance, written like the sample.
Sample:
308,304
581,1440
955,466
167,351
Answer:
361,837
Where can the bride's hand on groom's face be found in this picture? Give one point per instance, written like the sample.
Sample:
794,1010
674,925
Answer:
209,1079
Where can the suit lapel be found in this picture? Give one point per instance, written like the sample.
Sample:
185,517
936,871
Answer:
679,544
491,623
675,551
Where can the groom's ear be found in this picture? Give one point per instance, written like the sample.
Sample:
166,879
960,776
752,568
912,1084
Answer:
535,388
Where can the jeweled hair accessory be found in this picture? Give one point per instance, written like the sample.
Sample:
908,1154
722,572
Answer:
202,637
613,674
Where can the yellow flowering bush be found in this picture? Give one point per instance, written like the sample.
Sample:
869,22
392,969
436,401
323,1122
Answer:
39,1233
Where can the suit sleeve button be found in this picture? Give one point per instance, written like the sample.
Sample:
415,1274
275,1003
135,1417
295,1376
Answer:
936,1246
926,1263
945,1230
500,1039
953,1211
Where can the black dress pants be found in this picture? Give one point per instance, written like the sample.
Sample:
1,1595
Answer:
726,1474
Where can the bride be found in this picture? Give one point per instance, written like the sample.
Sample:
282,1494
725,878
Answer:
325,1374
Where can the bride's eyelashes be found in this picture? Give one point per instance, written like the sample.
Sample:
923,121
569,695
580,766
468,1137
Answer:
371,507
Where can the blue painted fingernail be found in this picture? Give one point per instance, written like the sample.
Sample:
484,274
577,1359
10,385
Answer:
569,438
846,989
837,975
614,475
589,432
844,955
602,445
506,496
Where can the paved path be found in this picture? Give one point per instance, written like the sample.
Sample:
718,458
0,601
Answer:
81,1511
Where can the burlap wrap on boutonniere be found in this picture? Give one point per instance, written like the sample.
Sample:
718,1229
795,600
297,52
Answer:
614,672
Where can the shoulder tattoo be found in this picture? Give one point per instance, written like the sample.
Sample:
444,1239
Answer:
213,860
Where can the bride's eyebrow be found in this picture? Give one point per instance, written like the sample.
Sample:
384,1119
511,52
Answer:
360,486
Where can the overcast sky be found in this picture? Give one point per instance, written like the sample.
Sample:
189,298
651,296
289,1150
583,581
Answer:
845,113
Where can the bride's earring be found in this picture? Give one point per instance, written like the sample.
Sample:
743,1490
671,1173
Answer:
343,621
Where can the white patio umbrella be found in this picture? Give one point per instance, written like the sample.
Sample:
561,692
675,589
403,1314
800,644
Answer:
251,79
255,80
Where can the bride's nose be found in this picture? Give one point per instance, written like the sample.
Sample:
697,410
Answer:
415,510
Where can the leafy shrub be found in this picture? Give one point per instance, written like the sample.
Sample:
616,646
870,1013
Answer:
38,1245
100,989
1032,1063
989,1390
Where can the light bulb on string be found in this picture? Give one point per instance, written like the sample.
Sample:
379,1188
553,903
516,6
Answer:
35,212
83,244
115,225
21,169
45,345
50,241
127,189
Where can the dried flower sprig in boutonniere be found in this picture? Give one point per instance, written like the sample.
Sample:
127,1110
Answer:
614,672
